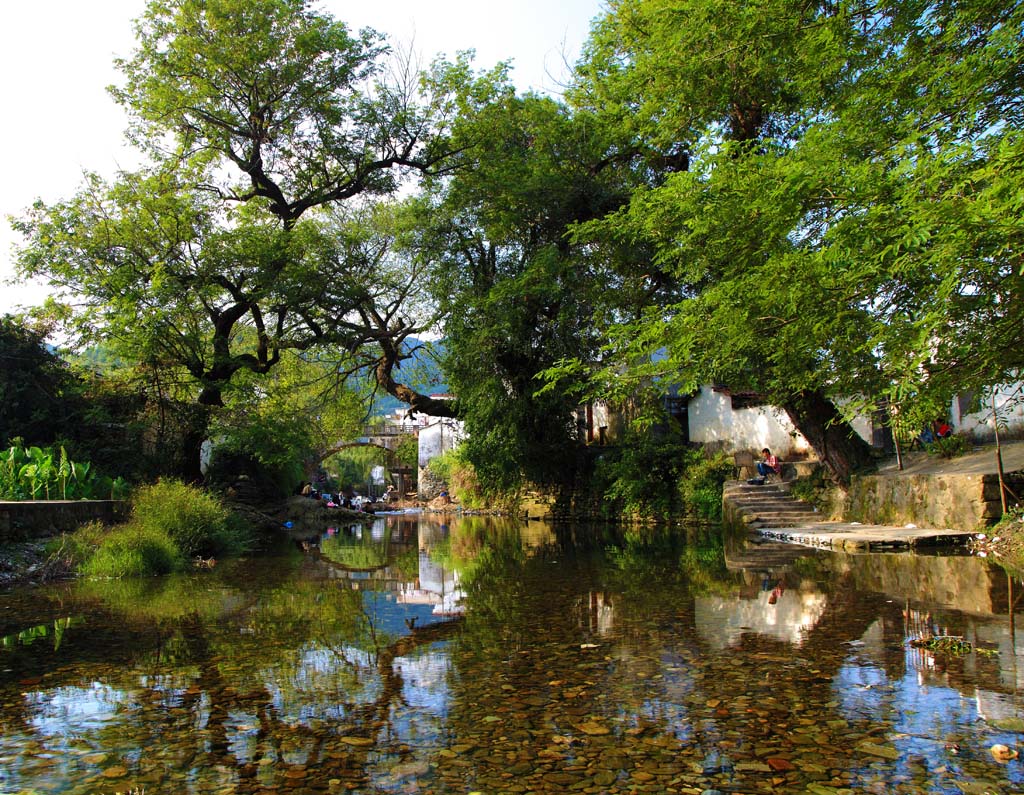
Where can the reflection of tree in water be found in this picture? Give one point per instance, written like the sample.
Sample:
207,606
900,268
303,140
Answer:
361,553
214,660
618,662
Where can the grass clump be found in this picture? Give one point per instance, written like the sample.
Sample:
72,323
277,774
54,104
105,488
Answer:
952,446
171,524
130,551
197,522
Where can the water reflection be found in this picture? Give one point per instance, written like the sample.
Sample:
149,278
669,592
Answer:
416,656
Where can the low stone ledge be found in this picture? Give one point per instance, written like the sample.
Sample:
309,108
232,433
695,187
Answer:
959,501
39,518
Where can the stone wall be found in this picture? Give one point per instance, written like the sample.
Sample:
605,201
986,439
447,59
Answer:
429,486
36,519
954,501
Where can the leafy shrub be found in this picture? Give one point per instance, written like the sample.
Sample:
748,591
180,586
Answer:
441,466
657,478
642,477
701,484
131,551
951,446
194,520
74,549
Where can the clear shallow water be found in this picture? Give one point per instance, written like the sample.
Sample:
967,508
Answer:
417,657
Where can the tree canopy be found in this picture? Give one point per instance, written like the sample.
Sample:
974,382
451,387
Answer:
264,122
846,222
815,201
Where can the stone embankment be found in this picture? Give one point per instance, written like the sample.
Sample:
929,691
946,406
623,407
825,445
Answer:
771,511
40,518
927,501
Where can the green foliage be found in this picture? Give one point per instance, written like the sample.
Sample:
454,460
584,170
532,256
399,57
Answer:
952,446
641,477
407,452
651,477
196,521
261,120
352,467
133,551
39,395
833,214
35,473
517,293
443,466
75,549
171,523
700,487
276,424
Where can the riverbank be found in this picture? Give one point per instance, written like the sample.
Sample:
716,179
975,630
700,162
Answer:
1004,539
928,500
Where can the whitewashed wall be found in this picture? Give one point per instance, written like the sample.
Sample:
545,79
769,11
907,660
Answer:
1009,399
438,437
713,420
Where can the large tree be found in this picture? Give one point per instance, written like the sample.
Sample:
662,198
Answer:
845,215
517,295
260,118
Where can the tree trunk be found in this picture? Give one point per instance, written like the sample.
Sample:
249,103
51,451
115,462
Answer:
838,446
195,433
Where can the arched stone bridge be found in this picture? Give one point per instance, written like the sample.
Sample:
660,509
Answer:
388,436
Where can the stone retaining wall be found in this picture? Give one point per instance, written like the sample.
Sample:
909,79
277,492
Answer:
957,502
35,519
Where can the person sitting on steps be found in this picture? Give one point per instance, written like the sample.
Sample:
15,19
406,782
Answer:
770,465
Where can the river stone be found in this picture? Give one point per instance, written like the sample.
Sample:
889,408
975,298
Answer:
604,778
884,751
359,742
562,779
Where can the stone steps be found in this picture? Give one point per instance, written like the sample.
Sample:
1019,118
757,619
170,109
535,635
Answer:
772,512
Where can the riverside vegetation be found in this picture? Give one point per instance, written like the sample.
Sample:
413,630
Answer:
172,526
799,201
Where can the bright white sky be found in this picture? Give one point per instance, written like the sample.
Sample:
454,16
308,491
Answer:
57,60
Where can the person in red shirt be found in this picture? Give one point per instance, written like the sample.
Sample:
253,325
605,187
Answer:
770,464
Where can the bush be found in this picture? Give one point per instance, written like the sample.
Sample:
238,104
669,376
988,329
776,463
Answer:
701,484
441,466
194,520
131,551
951,446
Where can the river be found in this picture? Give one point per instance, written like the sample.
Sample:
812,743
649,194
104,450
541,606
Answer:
485,656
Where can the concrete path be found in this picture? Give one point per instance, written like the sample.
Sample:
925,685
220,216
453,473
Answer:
771,512
982,461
